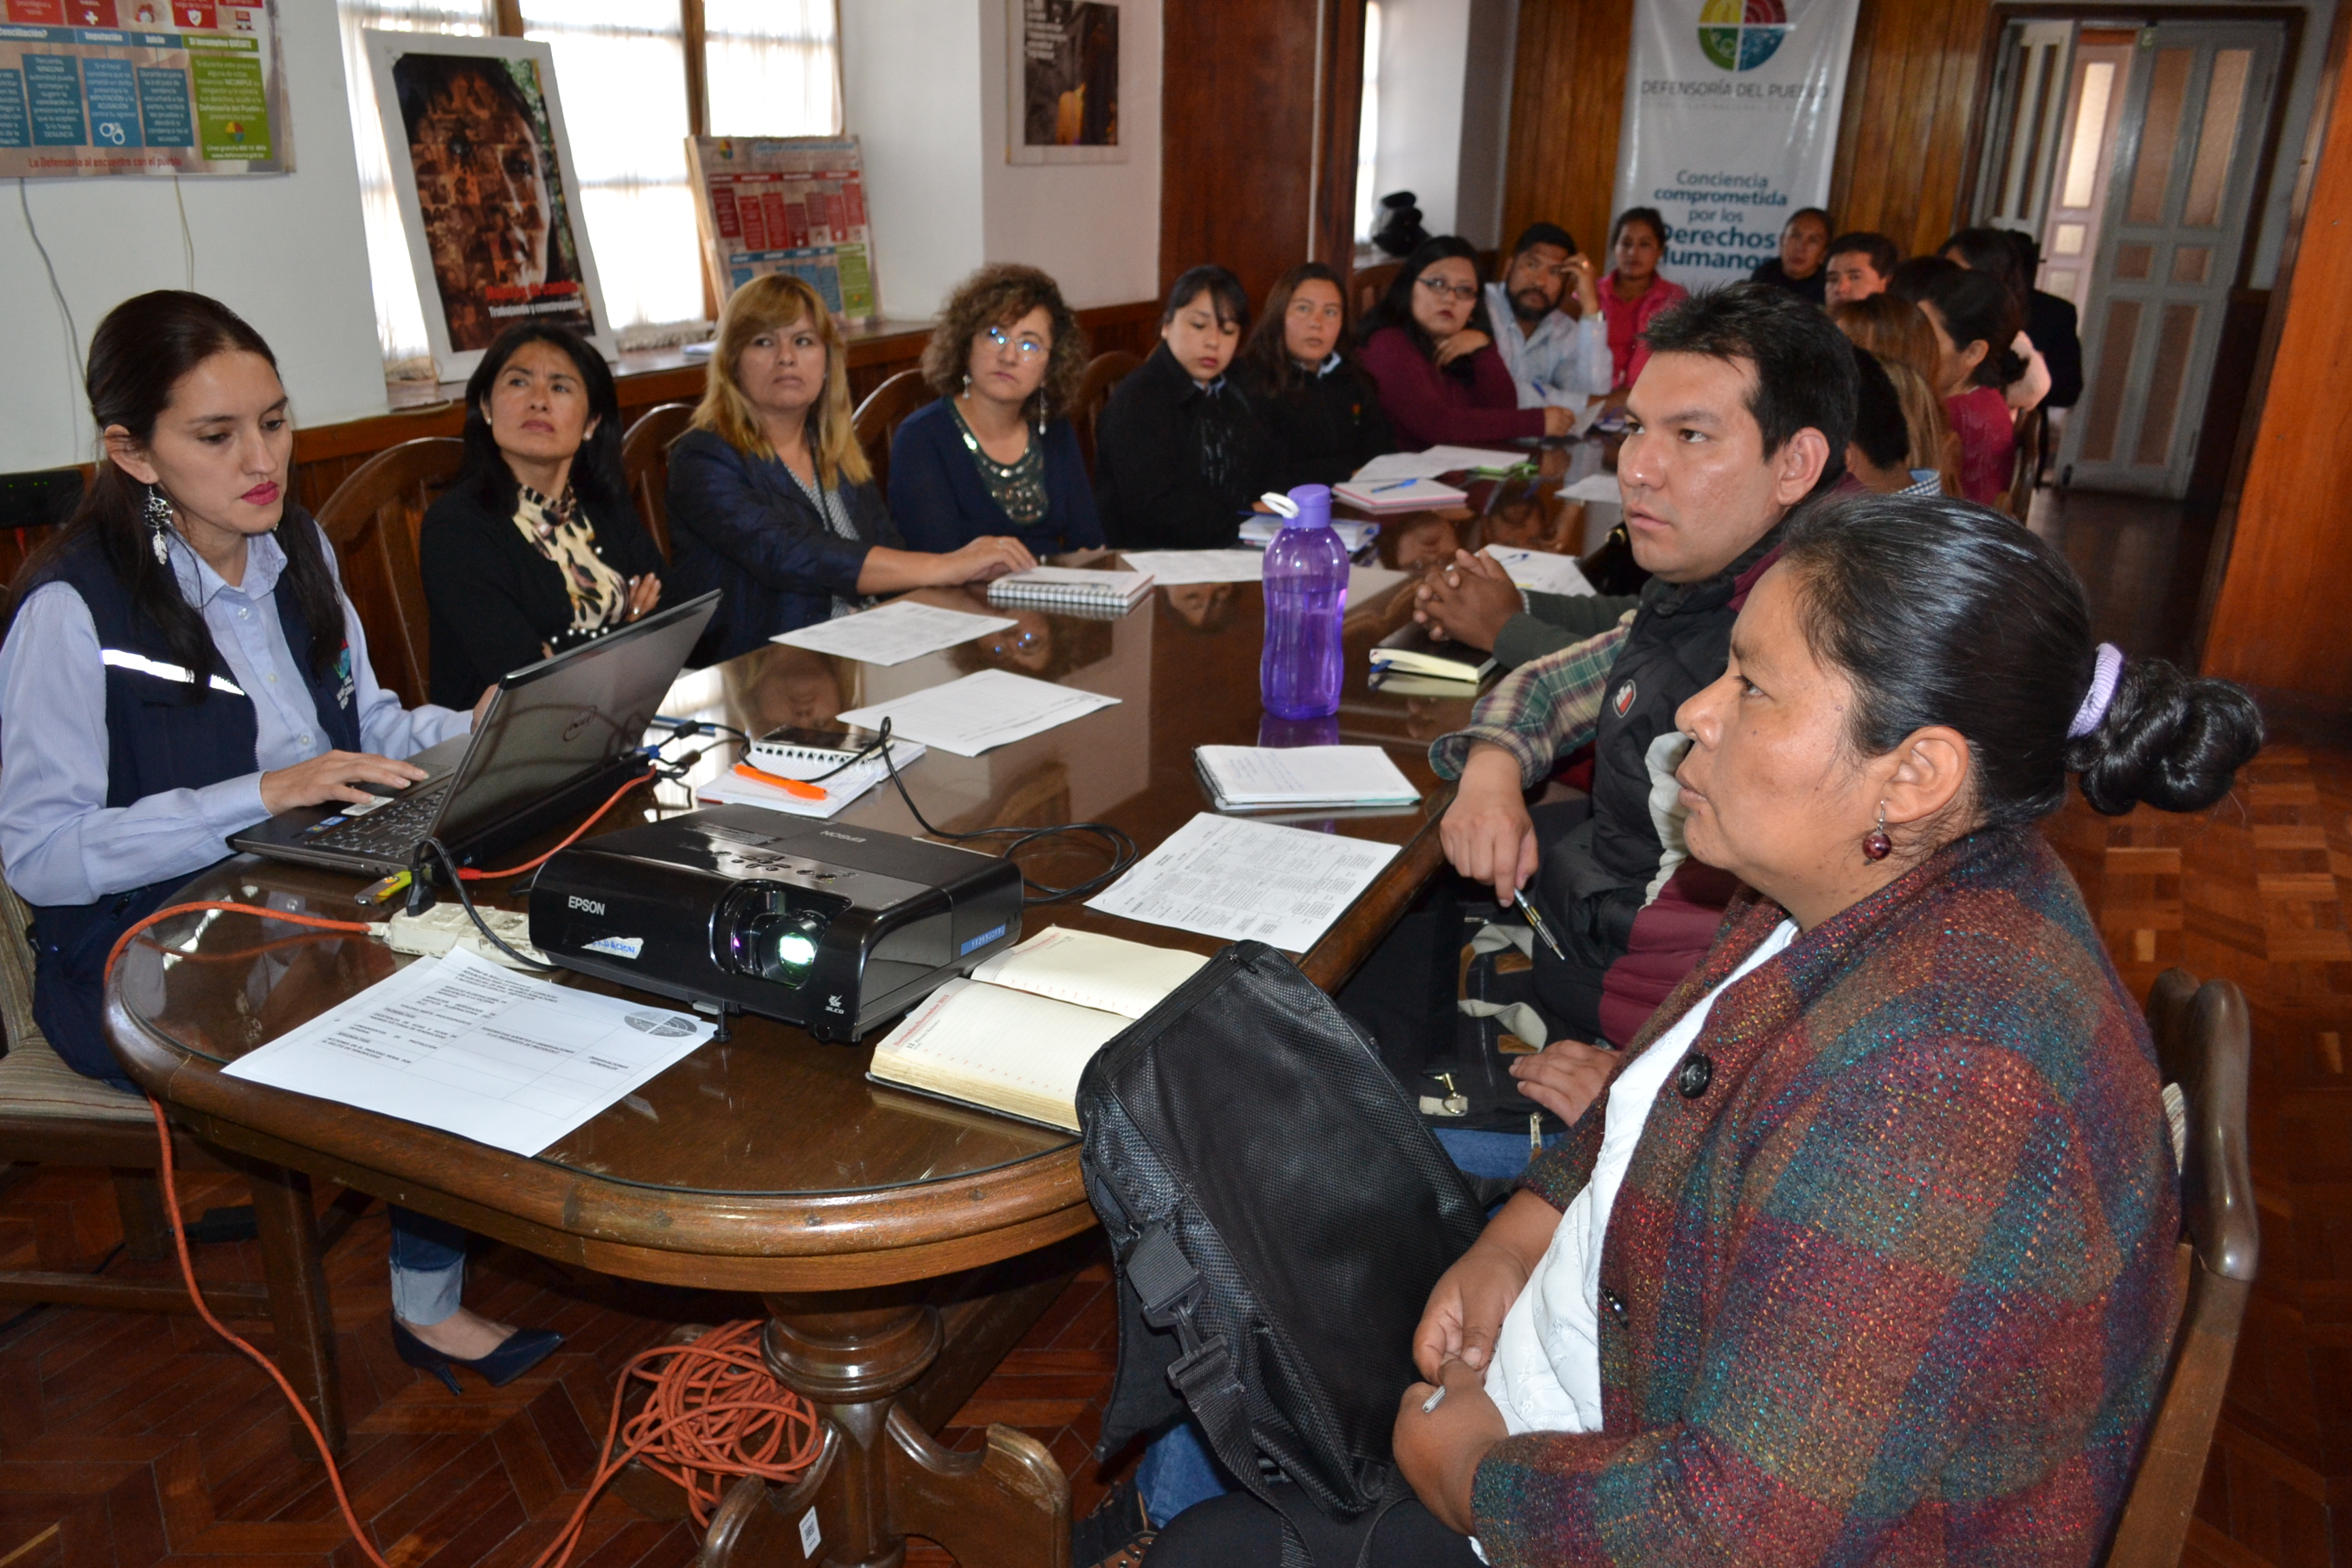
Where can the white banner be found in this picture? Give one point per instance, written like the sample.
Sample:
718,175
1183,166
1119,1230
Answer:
1731,120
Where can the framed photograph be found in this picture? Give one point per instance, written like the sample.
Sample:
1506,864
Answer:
473,129
1063,96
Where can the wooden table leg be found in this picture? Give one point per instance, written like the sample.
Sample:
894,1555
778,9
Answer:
298,1307
851,1353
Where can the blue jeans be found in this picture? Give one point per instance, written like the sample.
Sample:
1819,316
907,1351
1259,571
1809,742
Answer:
428,1266
1487,1154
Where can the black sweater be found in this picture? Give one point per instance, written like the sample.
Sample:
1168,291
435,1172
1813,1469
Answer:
496,602
1175,464
1322,429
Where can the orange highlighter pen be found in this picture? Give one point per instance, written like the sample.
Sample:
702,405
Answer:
800,788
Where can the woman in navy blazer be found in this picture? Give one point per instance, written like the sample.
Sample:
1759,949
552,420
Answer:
770,500
989,457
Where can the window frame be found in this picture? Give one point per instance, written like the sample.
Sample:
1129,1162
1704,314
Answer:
694,39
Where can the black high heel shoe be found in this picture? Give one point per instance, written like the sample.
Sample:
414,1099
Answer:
516,1354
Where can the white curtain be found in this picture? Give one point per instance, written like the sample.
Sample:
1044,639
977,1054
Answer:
621,68
399,318
773,67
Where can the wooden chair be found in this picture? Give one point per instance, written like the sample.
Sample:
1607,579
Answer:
876,420
1103,372
2202,1042
51,1115
645,462
1370,283
2027,473
373,518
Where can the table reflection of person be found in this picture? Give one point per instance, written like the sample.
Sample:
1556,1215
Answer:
485,185
1423,540
1203,606
1036,644
780,687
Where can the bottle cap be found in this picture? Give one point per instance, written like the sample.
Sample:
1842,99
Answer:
1313,504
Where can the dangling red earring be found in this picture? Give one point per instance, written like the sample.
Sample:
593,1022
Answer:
1875,844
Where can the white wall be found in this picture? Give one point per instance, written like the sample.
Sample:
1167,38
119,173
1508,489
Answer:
927,83
1424,46
1095,226
286,251
1490,41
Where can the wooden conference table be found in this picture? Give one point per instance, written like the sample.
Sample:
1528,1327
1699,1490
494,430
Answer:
768,1163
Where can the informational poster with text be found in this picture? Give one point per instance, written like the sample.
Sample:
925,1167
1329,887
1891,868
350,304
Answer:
795,205
1731,120
141,87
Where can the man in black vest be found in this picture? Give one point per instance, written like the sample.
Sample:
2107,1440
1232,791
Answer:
1742,413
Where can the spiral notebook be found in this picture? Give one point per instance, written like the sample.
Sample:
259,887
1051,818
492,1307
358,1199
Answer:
1071,588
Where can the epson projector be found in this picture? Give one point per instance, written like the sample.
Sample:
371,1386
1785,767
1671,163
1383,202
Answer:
739,909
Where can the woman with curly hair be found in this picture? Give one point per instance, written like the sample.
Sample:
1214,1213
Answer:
771,499
995,455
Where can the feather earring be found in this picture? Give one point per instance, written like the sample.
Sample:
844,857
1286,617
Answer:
159,525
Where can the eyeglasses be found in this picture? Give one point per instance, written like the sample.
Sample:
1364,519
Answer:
1460,293
1028,347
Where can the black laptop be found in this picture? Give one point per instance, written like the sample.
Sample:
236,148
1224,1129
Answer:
558,737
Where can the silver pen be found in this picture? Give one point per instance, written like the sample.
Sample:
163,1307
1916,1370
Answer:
1536,924
1429,1405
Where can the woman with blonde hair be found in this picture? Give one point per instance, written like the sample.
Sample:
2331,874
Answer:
1900,337
995,454
771,499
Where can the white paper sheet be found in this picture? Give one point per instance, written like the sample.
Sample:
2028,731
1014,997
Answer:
1232,878
989,709
1305,775
893,632
1173,568
1541,569
462,1045
1437,461
1594,488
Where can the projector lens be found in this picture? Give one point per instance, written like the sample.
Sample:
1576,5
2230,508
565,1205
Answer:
777,943
795,949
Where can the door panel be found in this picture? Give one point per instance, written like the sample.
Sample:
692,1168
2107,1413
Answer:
2175,220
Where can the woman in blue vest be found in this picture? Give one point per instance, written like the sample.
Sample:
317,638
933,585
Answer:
178,667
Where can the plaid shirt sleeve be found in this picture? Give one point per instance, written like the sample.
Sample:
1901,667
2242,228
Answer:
1540,712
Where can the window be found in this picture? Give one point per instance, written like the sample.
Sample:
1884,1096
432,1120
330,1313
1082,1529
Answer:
771,68
1367,132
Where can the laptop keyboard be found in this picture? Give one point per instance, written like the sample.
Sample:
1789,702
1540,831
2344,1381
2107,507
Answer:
390,831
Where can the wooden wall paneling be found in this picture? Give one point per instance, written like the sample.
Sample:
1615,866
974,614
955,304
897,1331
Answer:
1341,98
1568,101
2283,554
1904,137
1237,185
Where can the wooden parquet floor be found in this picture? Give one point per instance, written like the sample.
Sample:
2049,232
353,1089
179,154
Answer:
128,1441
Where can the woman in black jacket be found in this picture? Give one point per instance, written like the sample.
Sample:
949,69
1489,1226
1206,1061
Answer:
1180,447
537,546
1322,412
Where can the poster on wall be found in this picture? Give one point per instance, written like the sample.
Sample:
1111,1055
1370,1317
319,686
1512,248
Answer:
785,204
1731,120
1063,96
141,87
473,129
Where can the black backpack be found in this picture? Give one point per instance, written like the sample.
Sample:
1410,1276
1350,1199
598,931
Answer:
1278,1214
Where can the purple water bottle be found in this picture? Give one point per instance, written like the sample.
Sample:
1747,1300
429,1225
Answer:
1299,672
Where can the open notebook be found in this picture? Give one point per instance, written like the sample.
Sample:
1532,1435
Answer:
1016,1036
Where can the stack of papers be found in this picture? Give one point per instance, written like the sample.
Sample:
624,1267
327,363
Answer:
1231,877
893,632
967,717
1354,535
1540,571
461,1045
1245,778
1429,464
1398,495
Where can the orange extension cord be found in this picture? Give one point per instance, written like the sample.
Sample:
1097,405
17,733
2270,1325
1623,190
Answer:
714,1410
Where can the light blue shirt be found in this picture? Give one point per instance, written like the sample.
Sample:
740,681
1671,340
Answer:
1561,364
59,841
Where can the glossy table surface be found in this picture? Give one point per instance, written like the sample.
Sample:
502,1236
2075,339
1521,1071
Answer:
768,1162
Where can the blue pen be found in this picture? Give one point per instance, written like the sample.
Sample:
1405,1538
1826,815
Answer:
1398,485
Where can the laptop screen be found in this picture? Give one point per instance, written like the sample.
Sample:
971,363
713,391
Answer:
564,718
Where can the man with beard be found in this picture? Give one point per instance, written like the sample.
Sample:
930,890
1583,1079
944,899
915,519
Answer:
1557,358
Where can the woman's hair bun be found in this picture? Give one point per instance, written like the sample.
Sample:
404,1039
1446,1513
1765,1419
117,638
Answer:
2171,740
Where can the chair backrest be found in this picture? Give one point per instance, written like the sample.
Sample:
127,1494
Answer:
372,519
1103,372
2202,1042
876,420
645,464
2019,499
1370,283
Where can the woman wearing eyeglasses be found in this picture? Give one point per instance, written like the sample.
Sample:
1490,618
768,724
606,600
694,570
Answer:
995,456
1430,349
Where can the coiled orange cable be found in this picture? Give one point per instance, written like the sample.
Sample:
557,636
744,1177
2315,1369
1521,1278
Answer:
714,1410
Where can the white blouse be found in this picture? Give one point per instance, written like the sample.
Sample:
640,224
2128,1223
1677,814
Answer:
1546,1375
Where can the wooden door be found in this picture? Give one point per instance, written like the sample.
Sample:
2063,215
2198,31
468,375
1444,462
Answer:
2174,223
